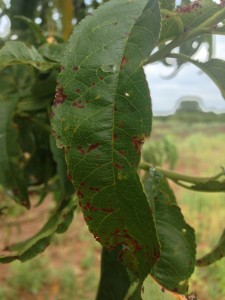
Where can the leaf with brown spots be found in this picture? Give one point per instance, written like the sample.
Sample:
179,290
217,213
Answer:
106,142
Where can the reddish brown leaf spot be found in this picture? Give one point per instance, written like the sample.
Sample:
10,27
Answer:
62,68
101,78
75,68
81,150
115,136
122,152
77,91
138,143
189,8
94,188
118,166
67,149
52,114
93,147
70,177
15,192
60,97
88,218
107,210
78,104
123,62
156,254
80,194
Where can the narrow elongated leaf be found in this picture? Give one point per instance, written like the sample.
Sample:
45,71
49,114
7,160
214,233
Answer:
187,17
177,239
58,222
67,189
11,172
214,68
102,113
15,52
114,282
217,253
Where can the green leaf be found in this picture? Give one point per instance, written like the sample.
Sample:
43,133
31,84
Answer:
167,4
11,171
114,281
101,115
52,52
172,26
67,189
15,52
214,68
198,12
217,253
152,290
204,14
177,238
35,29
28,249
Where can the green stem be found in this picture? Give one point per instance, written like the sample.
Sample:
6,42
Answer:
213,20
177,177
203,28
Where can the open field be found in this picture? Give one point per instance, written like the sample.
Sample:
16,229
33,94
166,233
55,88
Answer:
69,268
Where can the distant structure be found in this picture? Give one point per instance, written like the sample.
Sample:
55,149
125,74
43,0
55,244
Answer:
189,104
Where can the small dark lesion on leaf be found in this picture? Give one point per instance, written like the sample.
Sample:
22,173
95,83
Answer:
93,147
189,8
138,143
60,97
78,104
76,68
123,62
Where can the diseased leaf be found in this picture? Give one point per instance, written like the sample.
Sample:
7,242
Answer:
58,222
187,17
15,52
101,115
114,281
11,172
177,238
217,253
214,68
